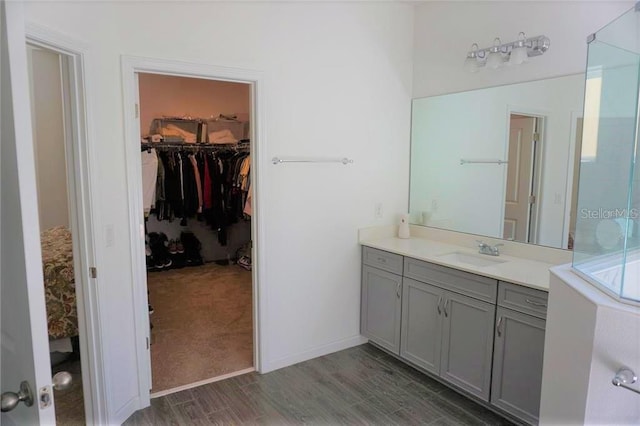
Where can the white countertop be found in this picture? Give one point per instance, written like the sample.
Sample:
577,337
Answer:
530,273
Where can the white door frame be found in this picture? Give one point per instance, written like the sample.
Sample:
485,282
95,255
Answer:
80,162
131,65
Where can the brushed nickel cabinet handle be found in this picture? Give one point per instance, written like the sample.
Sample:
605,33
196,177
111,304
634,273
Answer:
382,260
446,313
531,302
398,290
498,327
439,303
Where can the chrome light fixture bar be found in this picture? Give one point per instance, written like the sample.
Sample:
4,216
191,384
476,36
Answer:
512,53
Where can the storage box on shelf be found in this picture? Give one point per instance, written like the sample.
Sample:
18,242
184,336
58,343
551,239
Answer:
187,130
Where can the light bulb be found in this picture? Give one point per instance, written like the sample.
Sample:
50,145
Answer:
494,60
518,56
519,51
471,63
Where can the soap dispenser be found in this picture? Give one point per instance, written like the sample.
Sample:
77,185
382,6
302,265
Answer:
403,228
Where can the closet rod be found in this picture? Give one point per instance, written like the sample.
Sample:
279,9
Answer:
179,145
463,162
280,160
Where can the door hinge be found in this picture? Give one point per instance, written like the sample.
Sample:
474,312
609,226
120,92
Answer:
93,272
536,137
147,343
532,199
137,107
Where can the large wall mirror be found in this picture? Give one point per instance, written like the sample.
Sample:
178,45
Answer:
499,162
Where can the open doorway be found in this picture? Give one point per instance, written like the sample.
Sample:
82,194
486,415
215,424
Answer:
196,194
522,183
53,120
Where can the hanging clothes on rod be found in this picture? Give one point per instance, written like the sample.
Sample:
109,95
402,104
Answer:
202,182
149,175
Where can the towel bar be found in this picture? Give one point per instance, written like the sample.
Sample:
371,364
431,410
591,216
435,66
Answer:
624,377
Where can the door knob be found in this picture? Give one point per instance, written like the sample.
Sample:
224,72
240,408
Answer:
62,381
10,400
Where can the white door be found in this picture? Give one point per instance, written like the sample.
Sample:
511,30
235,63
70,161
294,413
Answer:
24,344
519,178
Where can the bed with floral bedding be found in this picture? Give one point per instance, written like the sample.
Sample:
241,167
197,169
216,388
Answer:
59,282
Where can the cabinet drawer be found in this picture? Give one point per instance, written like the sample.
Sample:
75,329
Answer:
523,299
382,260
482,288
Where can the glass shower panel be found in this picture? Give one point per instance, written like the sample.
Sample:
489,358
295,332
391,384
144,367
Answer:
607,247
622,32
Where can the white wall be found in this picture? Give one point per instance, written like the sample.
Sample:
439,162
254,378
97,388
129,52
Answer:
48,137
445,31
337,83
584,347
474,125
567,356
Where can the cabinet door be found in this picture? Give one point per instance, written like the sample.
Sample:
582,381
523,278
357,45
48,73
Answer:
467,343
381,305
517,364
422,324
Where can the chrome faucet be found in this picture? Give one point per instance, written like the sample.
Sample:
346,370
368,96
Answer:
485,248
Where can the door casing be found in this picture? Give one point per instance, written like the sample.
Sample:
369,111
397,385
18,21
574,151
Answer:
80,161
131,66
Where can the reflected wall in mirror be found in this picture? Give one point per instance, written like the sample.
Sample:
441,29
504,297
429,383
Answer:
500,161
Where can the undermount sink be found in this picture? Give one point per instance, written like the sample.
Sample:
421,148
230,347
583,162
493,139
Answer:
471,259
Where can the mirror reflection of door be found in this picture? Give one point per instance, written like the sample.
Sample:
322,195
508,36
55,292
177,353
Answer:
519,214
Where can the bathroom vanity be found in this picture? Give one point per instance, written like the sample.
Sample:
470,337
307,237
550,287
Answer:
473,321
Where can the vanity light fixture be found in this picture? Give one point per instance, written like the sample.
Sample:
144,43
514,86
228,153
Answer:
472,63
495,58
512,53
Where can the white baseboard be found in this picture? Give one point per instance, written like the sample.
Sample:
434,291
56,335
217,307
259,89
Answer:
314,353
202,382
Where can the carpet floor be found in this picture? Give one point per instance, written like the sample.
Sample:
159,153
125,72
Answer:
202,324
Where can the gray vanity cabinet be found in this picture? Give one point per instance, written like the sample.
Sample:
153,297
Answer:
446,322
445,332
519,351
381,299
467,343
422,324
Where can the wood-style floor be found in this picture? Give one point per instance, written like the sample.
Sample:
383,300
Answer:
357,386
69,403
202,324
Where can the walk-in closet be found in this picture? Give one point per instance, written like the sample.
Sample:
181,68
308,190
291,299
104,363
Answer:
195,153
